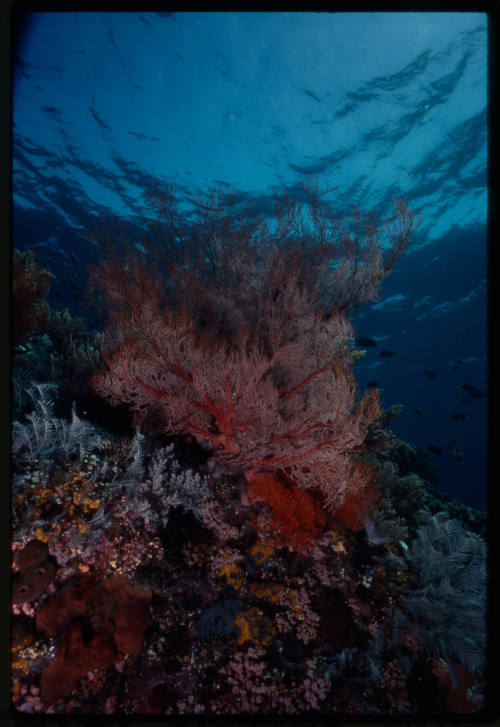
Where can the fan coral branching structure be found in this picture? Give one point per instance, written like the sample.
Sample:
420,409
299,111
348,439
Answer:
449,603
256,363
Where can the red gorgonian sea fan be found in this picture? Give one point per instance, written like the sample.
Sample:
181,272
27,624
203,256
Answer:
272,387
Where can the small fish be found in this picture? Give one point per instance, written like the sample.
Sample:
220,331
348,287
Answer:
363,341
431,374
50,109
459,417
457,364
435,450
471,390
385,353
418,412
456,453
372,384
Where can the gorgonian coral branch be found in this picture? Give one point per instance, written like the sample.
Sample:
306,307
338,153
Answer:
247,354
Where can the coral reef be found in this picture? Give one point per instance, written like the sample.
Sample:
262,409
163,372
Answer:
169,597
30,287
77,353
261,543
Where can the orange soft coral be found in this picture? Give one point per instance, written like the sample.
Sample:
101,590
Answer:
297,519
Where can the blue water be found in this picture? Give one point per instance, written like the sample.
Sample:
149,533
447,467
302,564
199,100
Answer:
107,106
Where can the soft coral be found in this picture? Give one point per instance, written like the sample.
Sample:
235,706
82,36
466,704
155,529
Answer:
297,518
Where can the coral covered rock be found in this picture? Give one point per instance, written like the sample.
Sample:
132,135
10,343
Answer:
95,624
36,569
21,630
33,553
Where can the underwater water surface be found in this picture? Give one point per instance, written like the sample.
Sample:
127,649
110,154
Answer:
249,424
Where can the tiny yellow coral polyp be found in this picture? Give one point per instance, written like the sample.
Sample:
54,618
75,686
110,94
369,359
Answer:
255,626
233,574
261,552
